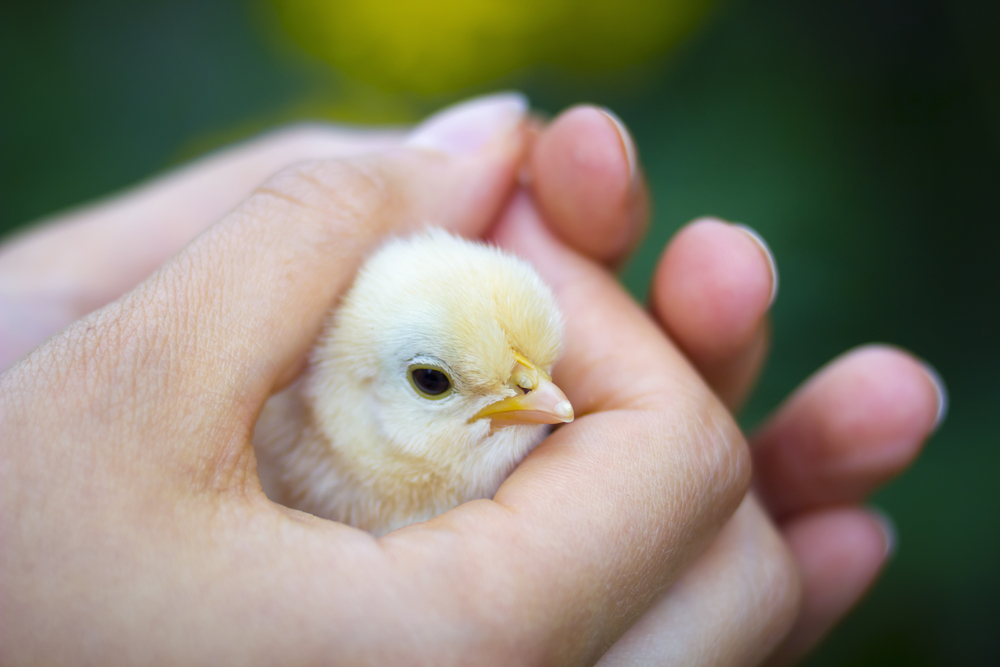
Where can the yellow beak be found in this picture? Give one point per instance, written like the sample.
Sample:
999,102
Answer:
541,402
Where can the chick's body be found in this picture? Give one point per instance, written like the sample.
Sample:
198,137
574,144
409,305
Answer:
368,437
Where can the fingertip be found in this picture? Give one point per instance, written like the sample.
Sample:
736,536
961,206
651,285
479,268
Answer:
627,145
854,425
886,404
834,547
840,553
587,182
940,391
465,128
890,534
772,265
712,287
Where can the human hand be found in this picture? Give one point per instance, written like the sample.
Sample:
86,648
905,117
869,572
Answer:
137,526
849,429
211,198
853,426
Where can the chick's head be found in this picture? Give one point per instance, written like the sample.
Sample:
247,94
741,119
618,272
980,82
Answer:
439,359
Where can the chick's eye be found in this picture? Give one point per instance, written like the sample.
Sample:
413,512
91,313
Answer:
430,383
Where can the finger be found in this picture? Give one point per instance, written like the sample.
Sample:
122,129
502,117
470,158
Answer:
840,552
711,293
595,523
731,607
857,423
586,180
78,261
226,321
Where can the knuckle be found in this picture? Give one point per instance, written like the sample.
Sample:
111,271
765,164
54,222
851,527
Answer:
722,455
345,191
328,209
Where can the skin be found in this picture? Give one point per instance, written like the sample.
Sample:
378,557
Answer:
194,550
711,293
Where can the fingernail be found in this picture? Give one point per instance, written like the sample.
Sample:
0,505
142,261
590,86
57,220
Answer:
628,144
888,527
762,244
942,394
467,127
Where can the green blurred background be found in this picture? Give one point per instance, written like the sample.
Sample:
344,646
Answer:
859,137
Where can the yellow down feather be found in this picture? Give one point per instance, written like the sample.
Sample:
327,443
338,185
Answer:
353,440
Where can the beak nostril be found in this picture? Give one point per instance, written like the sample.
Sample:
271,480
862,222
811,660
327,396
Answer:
524,382
546,404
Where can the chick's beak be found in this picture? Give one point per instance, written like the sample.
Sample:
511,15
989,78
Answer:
544,403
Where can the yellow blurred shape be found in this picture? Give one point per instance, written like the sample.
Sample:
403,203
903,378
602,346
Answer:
428,46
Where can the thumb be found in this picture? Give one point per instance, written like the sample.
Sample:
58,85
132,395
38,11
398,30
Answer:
233,315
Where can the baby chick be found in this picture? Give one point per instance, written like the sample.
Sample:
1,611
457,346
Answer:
429,383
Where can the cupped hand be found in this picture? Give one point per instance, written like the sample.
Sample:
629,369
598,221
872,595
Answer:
72,267
134,526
